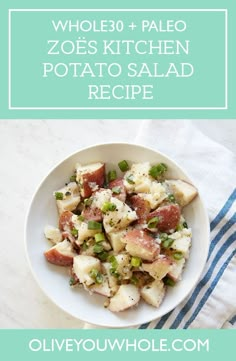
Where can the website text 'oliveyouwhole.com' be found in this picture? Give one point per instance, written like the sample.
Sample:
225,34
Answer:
123,344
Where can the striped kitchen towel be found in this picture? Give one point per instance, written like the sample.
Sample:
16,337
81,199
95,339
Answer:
212,303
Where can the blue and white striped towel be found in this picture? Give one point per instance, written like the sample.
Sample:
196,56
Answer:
212,304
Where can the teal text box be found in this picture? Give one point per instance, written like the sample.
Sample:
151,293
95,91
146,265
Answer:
55,76
208,93
116,344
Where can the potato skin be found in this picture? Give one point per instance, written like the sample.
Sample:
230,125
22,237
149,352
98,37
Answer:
119,182
141,244
168,215
92,214
159,268
65,221
57,258
141,207
97,176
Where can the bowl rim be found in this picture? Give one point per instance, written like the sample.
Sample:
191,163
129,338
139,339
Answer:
84,149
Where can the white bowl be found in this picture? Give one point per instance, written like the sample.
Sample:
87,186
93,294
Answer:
54,280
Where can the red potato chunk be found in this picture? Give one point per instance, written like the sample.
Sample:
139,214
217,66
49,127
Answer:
92,214
65,221
99,197
141,207
127,296
90,178
61,254
101,289
73,278
159,268
53,234
153,293
118,183
184,192
168,216
71,238
140,244
83,265
70,197
176,270
68,235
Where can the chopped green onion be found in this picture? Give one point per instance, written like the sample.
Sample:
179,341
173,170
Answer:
135,261
112,259
99,237
73,178
116,190
84,246
162,167
185,225
169,282
152,223
108,207
93,273
123,165
93,225
88,201
72,281
130,179
114,273
98,248
171,198
134,280
167,243
179,227
111,175
163,236
59,196
80,218
103,255
158,170
99,278
96,275
112,207
74,232
178,256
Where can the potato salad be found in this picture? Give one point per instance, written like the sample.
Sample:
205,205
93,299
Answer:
121,233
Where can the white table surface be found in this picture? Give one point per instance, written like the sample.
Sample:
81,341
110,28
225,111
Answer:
29,148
